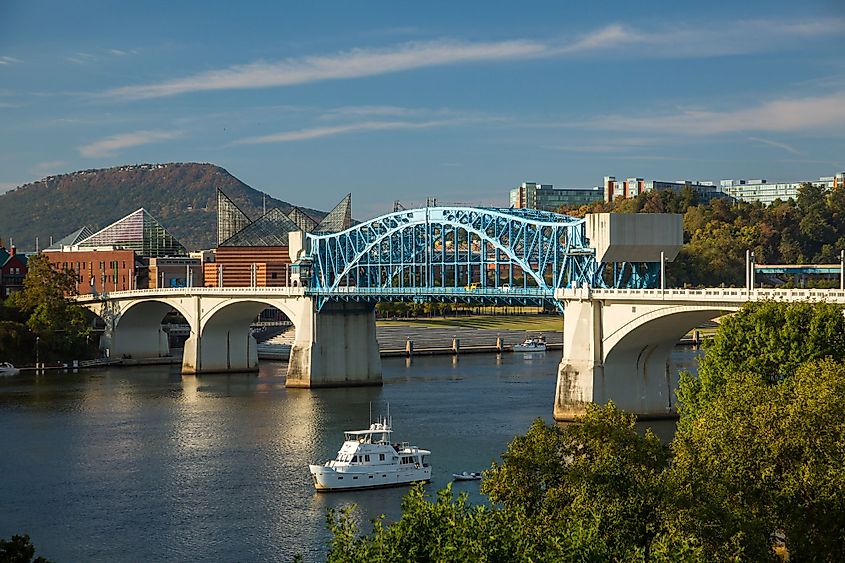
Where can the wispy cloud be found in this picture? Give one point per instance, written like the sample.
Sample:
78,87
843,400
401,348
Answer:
107,146
819,113
689,41
83,58
5,60
49,167
617,40
317,132
771,143
6,186
350,64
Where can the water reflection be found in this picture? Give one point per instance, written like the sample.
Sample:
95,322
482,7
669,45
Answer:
145,464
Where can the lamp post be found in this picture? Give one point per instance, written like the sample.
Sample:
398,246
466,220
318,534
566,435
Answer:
842,270
37,353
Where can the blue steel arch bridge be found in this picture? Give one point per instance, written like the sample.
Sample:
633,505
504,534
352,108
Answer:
461,254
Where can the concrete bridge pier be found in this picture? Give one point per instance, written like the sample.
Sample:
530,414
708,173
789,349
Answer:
335,347
633,371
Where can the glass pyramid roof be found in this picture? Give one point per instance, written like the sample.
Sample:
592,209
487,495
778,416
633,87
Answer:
74,238
338,219
269,230
140,232
230,218
303,221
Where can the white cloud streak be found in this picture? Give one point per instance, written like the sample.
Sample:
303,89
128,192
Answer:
350,64
616,40
107,146
771,143
9,60
788,115
318,132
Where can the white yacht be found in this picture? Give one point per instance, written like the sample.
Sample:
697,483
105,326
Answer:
532,344
7,369
367,459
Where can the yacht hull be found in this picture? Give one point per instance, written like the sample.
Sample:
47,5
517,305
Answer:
327,479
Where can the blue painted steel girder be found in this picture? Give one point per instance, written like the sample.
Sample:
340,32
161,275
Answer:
437,250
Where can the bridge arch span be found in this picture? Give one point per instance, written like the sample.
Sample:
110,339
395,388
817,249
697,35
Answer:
618,346
637,371
134,326
453,247
225,341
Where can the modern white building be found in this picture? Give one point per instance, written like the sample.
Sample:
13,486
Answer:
765,192
546,197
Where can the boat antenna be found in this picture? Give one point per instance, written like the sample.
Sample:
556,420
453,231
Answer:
389,420
371,412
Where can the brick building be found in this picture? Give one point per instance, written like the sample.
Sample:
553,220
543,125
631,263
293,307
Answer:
12,271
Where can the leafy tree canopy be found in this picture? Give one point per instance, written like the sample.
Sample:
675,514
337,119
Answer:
19,550
44,310
765,458
807,230
768,339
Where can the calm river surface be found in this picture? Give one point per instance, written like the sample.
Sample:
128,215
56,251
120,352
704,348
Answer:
142,464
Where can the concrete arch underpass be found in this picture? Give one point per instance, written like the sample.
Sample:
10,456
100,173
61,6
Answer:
618,345
225,342
133,328
637,374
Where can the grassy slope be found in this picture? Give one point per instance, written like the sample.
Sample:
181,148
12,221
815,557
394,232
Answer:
514,322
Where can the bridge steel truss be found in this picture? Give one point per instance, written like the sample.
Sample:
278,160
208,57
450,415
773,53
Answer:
459,254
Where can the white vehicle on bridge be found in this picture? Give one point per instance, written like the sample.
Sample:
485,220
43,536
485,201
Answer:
368,460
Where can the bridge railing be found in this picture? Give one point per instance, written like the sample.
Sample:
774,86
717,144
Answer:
189,291
708,294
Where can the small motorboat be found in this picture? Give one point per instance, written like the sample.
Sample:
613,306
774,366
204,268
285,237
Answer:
7,369
466,476
532,344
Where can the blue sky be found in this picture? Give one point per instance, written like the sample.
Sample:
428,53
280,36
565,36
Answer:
400,100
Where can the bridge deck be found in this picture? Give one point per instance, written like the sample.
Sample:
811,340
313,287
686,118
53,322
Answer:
718,294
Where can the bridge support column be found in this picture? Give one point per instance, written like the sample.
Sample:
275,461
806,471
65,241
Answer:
336,347
221,351
581,367
635,374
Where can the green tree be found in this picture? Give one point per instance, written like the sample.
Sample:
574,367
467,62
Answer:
766,338
50,313
766,458
19,550
598,472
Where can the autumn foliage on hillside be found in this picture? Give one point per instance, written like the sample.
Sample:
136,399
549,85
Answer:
808,230
182,196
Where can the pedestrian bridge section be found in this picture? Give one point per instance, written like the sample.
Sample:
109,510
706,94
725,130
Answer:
617,342
338,347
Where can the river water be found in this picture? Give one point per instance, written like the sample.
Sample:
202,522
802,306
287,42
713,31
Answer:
142,464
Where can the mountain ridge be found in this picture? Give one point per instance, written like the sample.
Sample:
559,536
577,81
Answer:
181,196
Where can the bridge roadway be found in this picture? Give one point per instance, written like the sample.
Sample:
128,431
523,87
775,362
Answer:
616,341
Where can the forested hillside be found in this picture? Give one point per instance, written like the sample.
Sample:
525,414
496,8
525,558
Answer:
182,196
808,230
